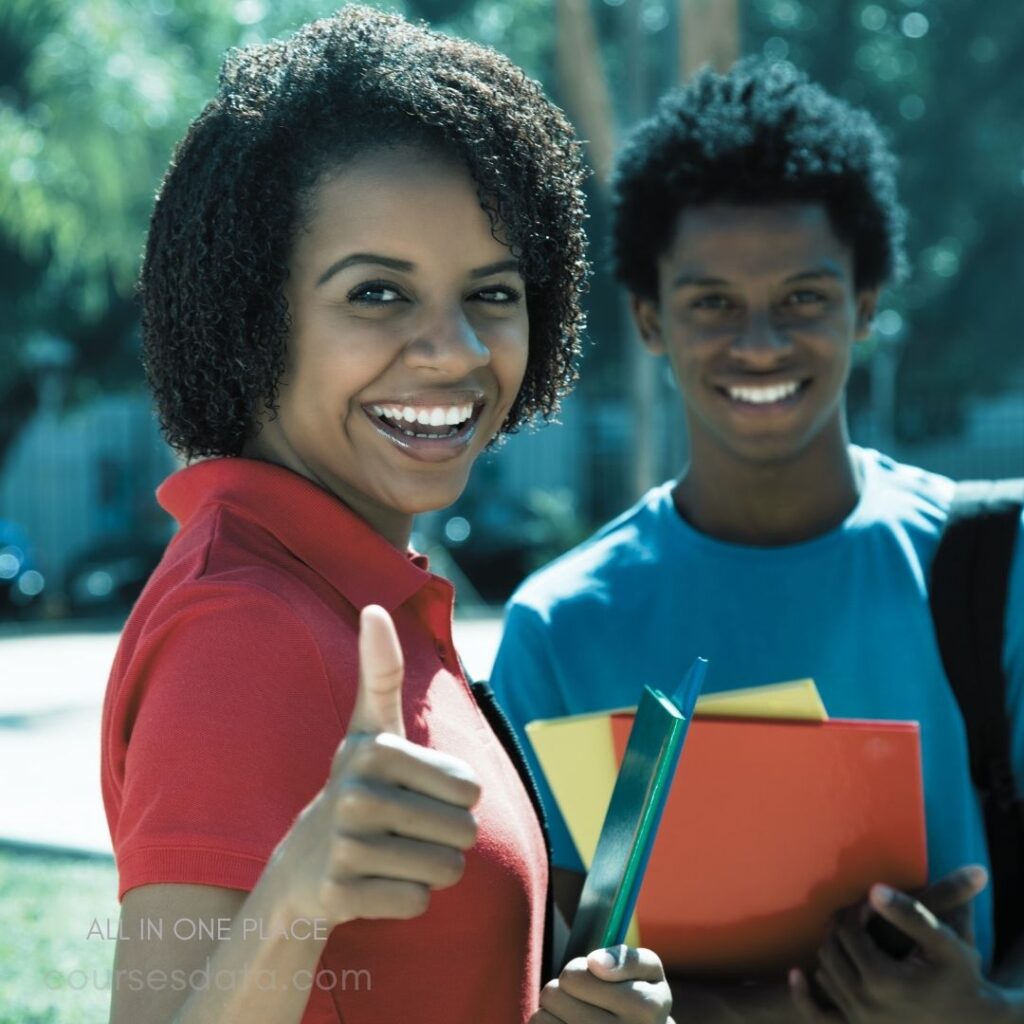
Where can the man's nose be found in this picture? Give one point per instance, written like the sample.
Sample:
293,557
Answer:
761,340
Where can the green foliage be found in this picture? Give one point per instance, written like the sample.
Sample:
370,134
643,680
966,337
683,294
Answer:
100,92
95,93
521,29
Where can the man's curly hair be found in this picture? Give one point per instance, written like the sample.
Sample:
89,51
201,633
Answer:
761,133
214,316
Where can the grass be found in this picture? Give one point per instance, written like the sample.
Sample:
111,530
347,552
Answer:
51,970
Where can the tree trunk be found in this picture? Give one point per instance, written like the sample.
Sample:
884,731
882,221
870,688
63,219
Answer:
709,33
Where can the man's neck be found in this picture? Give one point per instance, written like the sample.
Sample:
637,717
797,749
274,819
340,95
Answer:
765,505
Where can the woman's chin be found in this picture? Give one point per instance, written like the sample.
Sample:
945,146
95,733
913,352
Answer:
430,496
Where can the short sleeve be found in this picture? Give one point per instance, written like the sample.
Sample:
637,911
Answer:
1013,656
220,732
525,683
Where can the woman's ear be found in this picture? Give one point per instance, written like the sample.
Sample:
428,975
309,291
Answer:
648,322
867,306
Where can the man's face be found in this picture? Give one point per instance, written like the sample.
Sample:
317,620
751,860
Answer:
758,314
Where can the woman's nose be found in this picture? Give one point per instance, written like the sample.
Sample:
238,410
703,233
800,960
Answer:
449,343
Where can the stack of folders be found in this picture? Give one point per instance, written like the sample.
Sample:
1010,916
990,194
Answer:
778,817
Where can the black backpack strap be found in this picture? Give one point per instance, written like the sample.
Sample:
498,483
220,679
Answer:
968,593
502,728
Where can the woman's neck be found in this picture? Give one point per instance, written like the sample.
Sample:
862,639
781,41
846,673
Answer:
394,526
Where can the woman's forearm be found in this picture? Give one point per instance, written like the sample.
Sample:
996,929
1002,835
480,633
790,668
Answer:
264,970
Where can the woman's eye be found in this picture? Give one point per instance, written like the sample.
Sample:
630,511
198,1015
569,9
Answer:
375,293
501,295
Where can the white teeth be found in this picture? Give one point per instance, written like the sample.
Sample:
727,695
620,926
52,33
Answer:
762,396
435,416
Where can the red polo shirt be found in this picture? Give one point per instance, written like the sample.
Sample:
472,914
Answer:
231,690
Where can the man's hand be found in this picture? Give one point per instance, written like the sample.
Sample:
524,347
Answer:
618,984
763,1002
951,899
939,981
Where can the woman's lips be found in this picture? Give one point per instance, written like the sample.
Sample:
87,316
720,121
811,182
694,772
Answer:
428,442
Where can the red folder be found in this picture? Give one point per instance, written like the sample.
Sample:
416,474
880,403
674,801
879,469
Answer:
772,826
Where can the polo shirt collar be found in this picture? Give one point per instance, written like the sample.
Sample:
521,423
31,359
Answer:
314,525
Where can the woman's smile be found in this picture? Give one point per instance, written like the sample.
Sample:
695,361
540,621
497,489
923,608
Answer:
431,428
409,338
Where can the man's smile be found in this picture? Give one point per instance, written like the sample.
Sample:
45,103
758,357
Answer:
781,393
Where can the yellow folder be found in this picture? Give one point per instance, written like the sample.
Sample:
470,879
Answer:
583,789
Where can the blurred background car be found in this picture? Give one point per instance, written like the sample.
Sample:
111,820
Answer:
106,578
21,583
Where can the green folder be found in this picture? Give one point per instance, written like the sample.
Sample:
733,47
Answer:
631,824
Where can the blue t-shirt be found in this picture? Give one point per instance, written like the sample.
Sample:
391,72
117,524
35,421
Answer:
638,601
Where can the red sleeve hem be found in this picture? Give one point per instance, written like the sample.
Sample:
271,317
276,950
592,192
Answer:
187,866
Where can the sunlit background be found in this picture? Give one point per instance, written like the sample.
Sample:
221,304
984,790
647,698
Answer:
94,94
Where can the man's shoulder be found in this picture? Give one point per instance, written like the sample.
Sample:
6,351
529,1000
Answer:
608,557
899,492
915,504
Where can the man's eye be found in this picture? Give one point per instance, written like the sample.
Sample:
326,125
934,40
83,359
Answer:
375,293
804,297
716,302
501,295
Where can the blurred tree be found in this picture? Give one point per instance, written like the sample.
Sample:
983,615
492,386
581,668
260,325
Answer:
94,94
88,113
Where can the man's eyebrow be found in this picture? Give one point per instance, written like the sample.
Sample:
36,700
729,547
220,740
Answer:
825,270
699,281
365,257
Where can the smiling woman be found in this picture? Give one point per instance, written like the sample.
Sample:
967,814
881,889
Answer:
427,332
261,164
363,265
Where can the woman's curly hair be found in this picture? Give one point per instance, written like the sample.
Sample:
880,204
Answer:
761,133
214,316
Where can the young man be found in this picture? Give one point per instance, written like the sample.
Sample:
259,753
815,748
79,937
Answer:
756,221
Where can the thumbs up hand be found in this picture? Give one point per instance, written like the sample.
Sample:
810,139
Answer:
381,667
394,818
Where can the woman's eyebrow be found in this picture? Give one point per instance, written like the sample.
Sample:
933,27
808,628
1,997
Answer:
406,267
365,257
496,268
